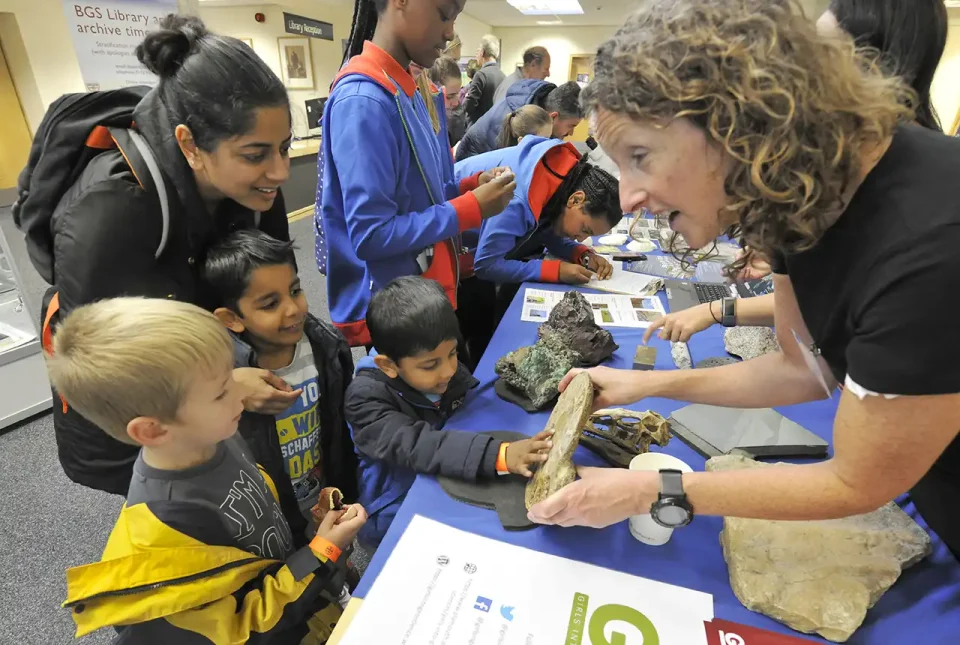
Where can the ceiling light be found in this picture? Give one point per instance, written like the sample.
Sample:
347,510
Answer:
556,22
547,7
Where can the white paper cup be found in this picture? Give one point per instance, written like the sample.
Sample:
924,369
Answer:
643,527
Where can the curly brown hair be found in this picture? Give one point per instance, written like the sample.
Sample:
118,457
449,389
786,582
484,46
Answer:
793,110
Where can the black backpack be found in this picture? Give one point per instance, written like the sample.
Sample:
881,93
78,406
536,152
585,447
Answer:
75,129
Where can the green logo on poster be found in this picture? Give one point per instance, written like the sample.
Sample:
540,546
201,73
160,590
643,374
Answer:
602,616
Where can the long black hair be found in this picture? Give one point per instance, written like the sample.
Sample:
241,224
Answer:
365,14
602,192
212,84
910,36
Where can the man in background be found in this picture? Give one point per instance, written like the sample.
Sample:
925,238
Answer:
562,102
479,98
536,65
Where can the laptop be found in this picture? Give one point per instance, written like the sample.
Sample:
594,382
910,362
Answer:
714,431
682,294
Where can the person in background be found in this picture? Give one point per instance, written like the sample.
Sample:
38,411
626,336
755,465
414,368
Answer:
561,102
909,36
857,215
201,549
561,200
259,299
404,394
218,124
389,203
528,120
445,74
479,97
472,68
536,65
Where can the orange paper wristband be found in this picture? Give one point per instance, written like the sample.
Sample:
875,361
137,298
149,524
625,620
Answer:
325,548
502,458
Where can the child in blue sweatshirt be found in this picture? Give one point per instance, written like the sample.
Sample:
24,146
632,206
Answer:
389,203
401,398
561,200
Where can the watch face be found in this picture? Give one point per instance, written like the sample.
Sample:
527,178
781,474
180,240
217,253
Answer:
670,516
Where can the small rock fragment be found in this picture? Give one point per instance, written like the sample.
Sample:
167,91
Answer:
750,342
681,356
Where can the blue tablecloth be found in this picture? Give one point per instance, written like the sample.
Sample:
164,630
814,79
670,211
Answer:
923,606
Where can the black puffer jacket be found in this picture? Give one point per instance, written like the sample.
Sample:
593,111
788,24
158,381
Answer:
106,232
334,372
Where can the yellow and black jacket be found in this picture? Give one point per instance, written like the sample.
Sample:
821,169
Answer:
169,575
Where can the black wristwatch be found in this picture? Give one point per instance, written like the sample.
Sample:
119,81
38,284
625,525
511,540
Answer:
728,308
671,510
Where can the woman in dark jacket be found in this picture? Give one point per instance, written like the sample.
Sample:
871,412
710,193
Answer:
218,124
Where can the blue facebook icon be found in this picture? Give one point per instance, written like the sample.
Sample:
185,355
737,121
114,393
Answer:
483,604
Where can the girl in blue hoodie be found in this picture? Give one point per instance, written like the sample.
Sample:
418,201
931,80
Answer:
561,200
389,204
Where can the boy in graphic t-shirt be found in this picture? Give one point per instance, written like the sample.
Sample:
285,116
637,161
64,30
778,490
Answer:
306,446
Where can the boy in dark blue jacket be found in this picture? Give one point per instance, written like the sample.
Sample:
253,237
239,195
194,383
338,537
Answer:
402,396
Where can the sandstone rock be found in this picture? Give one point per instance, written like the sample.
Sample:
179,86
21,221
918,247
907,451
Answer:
572,320
567,421
536,370
750,342
681,356
818,576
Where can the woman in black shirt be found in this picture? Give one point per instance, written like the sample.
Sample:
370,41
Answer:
737,116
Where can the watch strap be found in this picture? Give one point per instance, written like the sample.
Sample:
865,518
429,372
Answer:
729,312
671,483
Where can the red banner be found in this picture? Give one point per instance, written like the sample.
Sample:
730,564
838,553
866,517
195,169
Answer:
723,632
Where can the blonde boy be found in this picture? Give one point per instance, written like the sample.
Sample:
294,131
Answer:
201,522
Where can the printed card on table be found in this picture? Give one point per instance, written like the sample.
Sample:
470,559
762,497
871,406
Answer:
446,586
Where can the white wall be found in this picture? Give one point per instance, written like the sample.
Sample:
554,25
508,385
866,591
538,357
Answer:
239,22
47,54
946,84
561,42
471,30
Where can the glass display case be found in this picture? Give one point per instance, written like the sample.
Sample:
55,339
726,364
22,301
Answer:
24,387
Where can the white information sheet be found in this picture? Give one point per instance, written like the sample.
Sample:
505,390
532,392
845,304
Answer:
626,282
608,310
443,586
106,33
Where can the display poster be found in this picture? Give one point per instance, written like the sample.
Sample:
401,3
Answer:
443,586
608,311
105,34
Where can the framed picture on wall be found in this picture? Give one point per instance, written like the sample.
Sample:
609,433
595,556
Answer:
247,41
296,63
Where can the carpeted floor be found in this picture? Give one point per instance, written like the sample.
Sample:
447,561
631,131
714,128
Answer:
48,523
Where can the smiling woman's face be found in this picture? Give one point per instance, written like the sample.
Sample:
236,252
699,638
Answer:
672,172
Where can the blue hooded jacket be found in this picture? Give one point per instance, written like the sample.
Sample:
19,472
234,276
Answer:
482,136
518,232
387,191
398,432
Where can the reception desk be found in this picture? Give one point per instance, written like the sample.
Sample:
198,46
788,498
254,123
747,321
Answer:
300,191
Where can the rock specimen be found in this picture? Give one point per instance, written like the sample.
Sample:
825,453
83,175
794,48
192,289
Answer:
750,342
569,338
572,319
818,576
681,356
567,421
618,435
535,371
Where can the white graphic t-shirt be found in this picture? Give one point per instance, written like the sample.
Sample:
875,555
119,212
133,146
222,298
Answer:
299,427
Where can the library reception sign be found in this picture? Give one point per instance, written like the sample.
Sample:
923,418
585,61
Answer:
105,34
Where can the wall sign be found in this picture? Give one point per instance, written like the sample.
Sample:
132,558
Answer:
105,34
303,26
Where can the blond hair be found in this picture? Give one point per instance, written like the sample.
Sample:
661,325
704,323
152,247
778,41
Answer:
525,120
791,109
123,358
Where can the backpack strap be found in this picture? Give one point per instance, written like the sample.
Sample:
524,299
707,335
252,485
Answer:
138,155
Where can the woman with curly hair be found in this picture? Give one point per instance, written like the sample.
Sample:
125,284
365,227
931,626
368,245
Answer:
907,37
736,116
